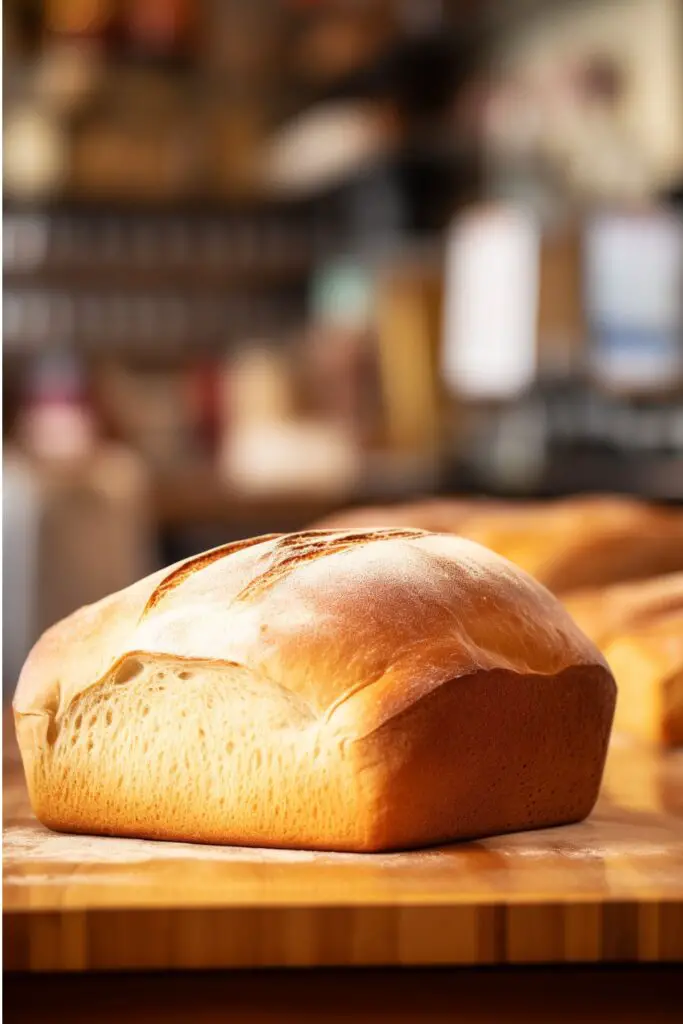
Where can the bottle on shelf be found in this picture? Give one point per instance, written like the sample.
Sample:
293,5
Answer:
93,531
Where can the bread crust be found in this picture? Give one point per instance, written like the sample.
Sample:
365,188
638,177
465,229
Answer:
339,689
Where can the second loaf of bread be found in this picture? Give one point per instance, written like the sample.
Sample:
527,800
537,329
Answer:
567,544
348,690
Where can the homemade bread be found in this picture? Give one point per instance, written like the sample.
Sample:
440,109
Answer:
567,544
346,690
639,627
439,515
584,542
647,661
604,612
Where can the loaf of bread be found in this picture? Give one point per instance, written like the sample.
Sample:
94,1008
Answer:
639,627
647,661
584,542
342,690
437,515
605,612
567,544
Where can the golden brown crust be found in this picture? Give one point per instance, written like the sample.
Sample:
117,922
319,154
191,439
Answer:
331,649
293,550
472,780
195,564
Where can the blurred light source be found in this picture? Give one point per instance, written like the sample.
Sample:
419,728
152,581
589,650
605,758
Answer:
491,303
324,146
35,158
634,287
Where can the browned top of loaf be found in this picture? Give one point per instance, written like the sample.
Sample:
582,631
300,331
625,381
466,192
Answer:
323,614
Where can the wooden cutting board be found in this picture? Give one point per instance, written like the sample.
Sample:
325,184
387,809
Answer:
608,889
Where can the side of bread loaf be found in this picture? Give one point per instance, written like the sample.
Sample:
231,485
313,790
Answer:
349,690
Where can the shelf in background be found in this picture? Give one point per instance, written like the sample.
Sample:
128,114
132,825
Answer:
195,497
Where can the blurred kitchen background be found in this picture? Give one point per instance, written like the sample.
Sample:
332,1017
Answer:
264,259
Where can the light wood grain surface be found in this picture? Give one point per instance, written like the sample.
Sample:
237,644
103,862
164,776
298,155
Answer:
607,890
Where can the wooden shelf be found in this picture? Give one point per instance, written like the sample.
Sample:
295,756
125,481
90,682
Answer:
140,277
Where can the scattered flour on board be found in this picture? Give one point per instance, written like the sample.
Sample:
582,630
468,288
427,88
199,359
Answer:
34,845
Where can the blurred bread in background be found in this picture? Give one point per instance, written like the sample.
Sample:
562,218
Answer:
639,628
585,541
605,612
567,544
438,515
647,662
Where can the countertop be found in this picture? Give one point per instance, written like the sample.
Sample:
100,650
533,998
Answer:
607,890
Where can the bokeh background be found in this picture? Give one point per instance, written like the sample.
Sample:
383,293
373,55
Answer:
265,259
